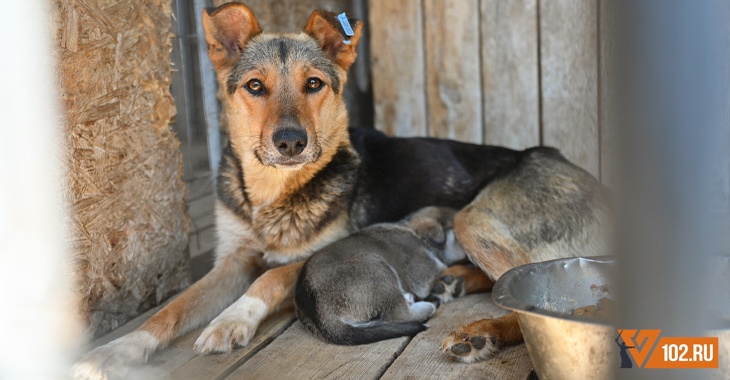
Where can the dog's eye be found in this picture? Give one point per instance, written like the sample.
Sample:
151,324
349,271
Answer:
314,84
255,87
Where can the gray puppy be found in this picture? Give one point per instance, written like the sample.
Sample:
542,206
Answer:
364,288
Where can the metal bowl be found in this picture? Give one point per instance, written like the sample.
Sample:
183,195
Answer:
544,295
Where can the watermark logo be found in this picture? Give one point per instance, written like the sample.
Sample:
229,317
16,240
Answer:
646,349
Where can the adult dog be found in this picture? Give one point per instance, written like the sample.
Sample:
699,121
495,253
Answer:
294,179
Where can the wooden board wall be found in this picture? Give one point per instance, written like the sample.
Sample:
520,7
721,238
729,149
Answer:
124,183
517,73
398,67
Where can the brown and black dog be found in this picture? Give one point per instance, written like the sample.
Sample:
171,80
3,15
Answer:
295,178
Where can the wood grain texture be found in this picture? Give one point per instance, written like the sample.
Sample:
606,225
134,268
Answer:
398,67
453,71
284,15
296,354
281,350
422,359
219,366
509,51
569,83
179,361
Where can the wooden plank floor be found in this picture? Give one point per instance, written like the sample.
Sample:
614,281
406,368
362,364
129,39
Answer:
283,349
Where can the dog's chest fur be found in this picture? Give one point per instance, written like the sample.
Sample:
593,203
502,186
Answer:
298,222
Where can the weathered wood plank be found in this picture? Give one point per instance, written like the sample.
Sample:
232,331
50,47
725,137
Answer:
125,328
422,359
398,67
453,70
511,83
219,366
296,354
569,85
179,361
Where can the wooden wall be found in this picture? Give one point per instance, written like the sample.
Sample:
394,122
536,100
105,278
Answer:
517,73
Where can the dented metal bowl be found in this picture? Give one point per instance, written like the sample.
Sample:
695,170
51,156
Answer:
561,345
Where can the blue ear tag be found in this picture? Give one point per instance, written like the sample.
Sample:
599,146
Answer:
345,26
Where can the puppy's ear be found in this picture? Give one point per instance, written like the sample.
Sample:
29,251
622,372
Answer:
329,32
228,29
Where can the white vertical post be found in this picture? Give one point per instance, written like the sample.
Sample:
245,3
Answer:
35,286
670,106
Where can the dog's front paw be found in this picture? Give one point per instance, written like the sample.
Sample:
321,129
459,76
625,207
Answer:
233,328
224,335
114,359
471,343
446,288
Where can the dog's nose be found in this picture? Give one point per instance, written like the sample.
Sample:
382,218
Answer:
290,141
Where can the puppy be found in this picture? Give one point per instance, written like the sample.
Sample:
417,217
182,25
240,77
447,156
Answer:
361,289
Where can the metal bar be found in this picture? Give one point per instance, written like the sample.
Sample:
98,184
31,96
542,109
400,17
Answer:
211,108
181,87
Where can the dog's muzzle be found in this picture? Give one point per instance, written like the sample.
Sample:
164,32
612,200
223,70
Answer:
290,142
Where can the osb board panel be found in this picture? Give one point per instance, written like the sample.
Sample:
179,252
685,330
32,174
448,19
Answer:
398,67
296,354
510,79
569,83
124,179
454,91
422,359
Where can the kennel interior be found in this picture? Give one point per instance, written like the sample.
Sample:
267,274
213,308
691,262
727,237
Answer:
139,124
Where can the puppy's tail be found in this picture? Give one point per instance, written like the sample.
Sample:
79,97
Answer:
379,330
363,333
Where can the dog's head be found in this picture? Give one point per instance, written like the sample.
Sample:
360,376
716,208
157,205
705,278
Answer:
282,92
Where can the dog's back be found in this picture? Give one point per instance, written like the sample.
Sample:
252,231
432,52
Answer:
547,208
355,290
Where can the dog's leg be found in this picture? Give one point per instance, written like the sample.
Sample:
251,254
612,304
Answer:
238,323
491,247
459,280
193,307
481,339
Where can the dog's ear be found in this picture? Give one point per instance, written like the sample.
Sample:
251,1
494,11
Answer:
331,34
228,29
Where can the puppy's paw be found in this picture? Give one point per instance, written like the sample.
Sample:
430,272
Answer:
446,288
114,359
223,335
471,343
